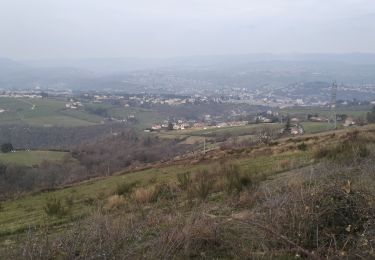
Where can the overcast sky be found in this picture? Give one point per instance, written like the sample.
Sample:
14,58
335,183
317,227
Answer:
35,29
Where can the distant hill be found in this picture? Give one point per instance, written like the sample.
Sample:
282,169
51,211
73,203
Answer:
15,75
201,72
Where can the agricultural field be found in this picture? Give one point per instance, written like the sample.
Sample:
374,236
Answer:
41,112
145,117
233,130
358,111
30,158
316,127
219,132
52,112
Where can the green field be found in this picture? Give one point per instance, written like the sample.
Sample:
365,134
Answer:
145,117
216,131
30,158
42,112
315,127
52,112
232,130
358,111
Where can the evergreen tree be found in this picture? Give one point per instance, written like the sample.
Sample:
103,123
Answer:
371,116
6,147
287,124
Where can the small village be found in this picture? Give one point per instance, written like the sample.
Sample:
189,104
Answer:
295,127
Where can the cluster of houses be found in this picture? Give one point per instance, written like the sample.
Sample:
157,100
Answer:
295,127
141,99
73,104
192,124
18,95
171,126
267,117
349,121
346,120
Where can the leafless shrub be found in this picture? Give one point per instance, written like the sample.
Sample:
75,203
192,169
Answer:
266,134
189,237
37,245
98,237
328,217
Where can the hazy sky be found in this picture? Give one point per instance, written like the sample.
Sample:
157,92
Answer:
33,29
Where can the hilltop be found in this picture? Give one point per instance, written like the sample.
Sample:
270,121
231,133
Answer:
266,200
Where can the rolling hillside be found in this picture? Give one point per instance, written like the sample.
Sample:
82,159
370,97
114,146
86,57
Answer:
190,192
43,112
49,112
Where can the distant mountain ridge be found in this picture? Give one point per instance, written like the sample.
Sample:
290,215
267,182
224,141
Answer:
130,74
115,65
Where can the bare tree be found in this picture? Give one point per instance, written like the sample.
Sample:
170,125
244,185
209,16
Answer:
266,134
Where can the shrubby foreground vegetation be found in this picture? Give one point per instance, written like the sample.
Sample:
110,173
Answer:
320,206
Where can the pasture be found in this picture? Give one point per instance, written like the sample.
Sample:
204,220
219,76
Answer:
30,158
48,112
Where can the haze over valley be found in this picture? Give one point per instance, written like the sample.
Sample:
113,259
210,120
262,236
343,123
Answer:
201,129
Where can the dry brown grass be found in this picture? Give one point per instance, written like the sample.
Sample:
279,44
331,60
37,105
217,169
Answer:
144,195
285,164
115,202
189,236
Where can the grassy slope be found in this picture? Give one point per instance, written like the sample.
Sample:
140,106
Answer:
42,112
20,214
52,112
30,158
145,117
